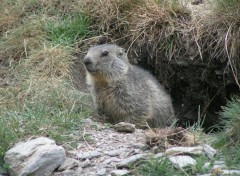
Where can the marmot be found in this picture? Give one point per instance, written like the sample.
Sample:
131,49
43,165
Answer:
124,92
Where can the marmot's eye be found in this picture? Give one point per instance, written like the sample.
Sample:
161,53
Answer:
121,53
104,53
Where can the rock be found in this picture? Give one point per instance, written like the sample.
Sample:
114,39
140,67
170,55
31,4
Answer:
79,170
112,159
34,157
69,173
205,175
115,152
158,155
230,172
219,164
198,150
69,163
182,161
206,165
209,151
127,161
124,127
119,172
85,163
88,155
102,171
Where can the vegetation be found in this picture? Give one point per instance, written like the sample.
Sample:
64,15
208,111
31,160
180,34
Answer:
162,166
37,96
228,140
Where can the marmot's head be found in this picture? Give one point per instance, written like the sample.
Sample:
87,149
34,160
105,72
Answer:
106,59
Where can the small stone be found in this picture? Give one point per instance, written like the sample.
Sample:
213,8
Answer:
124,127
115,152
182,161
127,161
139,145
85,163
119,172
88,155
102,171
219,162
219,165
69,163
209,151
79,170
198,150
206,165
159,155
230,172
205,175
112,159
69,173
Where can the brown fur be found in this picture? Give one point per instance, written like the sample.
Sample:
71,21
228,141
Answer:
124,92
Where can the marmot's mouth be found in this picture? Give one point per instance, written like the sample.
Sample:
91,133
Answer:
90,68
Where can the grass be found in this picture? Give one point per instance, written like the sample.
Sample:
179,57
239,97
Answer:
163,167
55,111
68,29
228,141
37,96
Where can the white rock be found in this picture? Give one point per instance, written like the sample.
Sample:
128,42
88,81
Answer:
112,159
198,150
124,127
69,163
68,173
85,163
79,170
182,161
102,171
119,172
209,151
158,155
35,157
219,164
206,165
132,159
88,155
230,172
115,152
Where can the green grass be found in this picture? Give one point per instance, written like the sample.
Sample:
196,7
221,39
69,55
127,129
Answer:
228,140
55,112
68,29
156,167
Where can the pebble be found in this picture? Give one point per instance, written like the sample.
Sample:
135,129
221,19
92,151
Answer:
198,150
115,152
68,164
124,127
209,151
119,172
130,160
85,163
230,172
159,155
88,155
102,171
182,161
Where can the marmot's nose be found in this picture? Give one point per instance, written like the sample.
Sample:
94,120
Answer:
87,60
